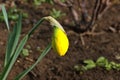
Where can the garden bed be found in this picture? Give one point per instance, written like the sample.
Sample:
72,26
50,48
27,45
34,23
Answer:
54,67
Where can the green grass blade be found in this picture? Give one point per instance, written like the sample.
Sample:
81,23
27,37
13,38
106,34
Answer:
5,17
11,48
21,75
13,58
40,57
8,67
13,41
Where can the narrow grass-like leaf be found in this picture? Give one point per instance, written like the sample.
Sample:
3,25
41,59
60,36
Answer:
13,59
21,75
17,50
5,17
13,40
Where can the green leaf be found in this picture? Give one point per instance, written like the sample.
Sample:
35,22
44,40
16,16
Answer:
11,51
56,13
8,67
21,75
40,57
5,16
101,61
11,60
89,64
25,52
63,1
108,66
13,40
115,65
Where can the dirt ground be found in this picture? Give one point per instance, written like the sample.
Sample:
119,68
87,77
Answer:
54,67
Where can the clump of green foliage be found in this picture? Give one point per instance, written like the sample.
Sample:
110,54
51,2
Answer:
100,62
13,14
39,2
26,51
63,1
56,13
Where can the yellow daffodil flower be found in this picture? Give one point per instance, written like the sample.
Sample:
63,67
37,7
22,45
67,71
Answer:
60,42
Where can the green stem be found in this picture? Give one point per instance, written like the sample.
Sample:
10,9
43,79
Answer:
21,75
38,23
10,64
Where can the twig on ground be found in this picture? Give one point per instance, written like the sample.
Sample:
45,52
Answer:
99,9
73,12
60,3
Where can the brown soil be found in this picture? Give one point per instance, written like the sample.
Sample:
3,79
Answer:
54,67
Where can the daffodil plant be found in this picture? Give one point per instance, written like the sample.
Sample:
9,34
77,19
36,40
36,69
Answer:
59,43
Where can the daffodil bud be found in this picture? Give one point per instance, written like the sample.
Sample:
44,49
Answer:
60,42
